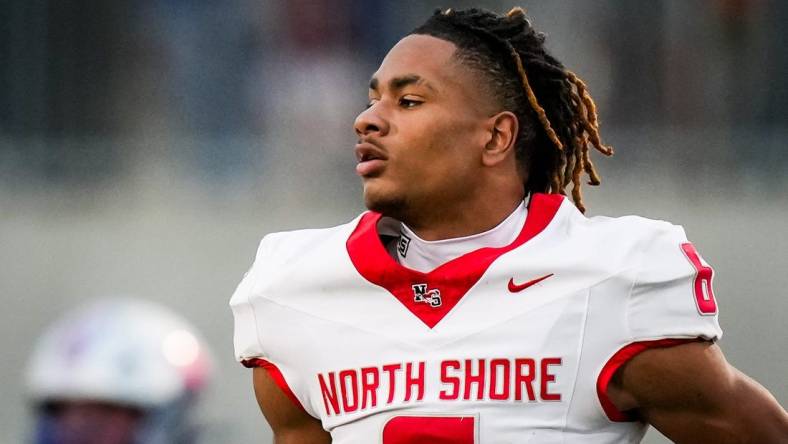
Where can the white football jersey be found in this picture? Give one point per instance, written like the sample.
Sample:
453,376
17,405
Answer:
501,345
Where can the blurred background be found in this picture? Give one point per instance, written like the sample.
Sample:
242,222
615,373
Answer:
146,146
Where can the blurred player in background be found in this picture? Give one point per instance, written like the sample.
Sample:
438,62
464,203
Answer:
119,371
476,303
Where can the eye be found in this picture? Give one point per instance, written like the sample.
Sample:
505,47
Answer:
370,103
409,103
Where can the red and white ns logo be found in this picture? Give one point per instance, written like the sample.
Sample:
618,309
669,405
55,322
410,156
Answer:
430,297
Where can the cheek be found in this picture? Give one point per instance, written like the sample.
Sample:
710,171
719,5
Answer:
431,151
437,158
453,144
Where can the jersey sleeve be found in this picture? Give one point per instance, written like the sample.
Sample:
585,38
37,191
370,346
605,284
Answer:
671,302
250,350
245,334
672,295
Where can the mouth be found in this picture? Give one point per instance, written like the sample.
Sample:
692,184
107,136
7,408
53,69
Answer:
371,159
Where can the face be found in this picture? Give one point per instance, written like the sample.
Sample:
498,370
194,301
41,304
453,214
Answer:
422,136
93,423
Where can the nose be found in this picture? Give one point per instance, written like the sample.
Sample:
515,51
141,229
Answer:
370,122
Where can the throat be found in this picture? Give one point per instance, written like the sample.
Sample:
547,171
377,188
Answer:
424,256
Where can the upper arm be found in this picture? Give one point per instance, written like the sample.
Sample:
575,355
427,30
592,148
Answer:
289,422
692,395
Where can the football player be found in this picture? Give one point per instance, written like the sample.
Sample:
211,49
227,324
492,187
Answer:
118,371
474,302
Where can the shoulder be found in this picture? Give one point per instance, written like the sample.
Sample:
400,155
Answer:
636,231
666,285
630,241
291,250
657,251
280,259
601,244
284,247
670,284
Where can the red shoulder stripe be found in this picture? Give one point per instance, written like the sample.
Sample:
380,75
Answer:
276,375
614,363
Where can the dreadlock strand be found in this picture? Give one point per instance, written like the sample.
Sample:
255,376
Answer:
593,176
535,103
589,118
555,184
577,197
516,13
569,167
580,151
582,92
580,146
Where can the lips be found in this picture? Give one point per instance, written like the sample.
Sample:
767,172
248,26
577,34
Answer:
371,159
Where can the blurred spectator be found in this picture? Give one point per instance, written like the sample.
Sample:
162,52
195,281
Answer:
93,90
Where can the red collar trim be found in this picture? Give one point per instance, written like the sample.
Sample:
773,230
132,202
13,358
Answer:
449,282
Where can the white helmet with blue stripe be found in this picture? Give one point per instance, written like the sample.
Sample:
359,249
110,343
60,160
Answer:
127,353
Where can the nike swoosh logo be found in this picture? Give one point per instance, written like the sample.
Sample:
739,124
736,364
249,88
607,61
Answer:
514,288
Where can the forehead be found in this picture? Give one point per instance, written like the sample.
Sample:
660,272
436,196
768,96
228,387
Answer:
425,56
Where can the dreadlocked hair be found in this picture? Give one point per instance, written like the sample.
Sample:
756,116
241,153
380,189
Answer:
557,117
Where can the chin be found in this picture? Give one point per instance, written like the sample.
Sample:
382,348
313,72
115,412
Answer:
387,204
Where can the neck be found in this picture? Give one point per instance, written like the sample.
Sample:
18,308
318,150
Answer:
460,220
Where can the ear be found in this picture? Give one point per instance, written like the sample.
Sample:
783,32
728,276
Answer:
503,128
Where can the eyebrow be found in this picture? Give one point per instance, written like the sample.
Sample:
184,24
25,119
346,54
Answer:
400,82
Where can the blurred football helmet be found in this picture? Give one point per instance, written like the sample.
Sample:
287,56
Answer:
120,371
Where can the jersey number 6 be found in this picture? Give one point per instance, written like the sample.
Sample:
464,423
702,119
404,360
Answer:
704,295
430,430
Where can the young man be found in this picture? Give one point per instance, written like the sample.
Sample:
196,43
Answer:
475,303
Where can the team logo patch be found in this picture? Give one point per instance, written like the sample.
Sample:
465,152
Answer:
402,245
430,297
